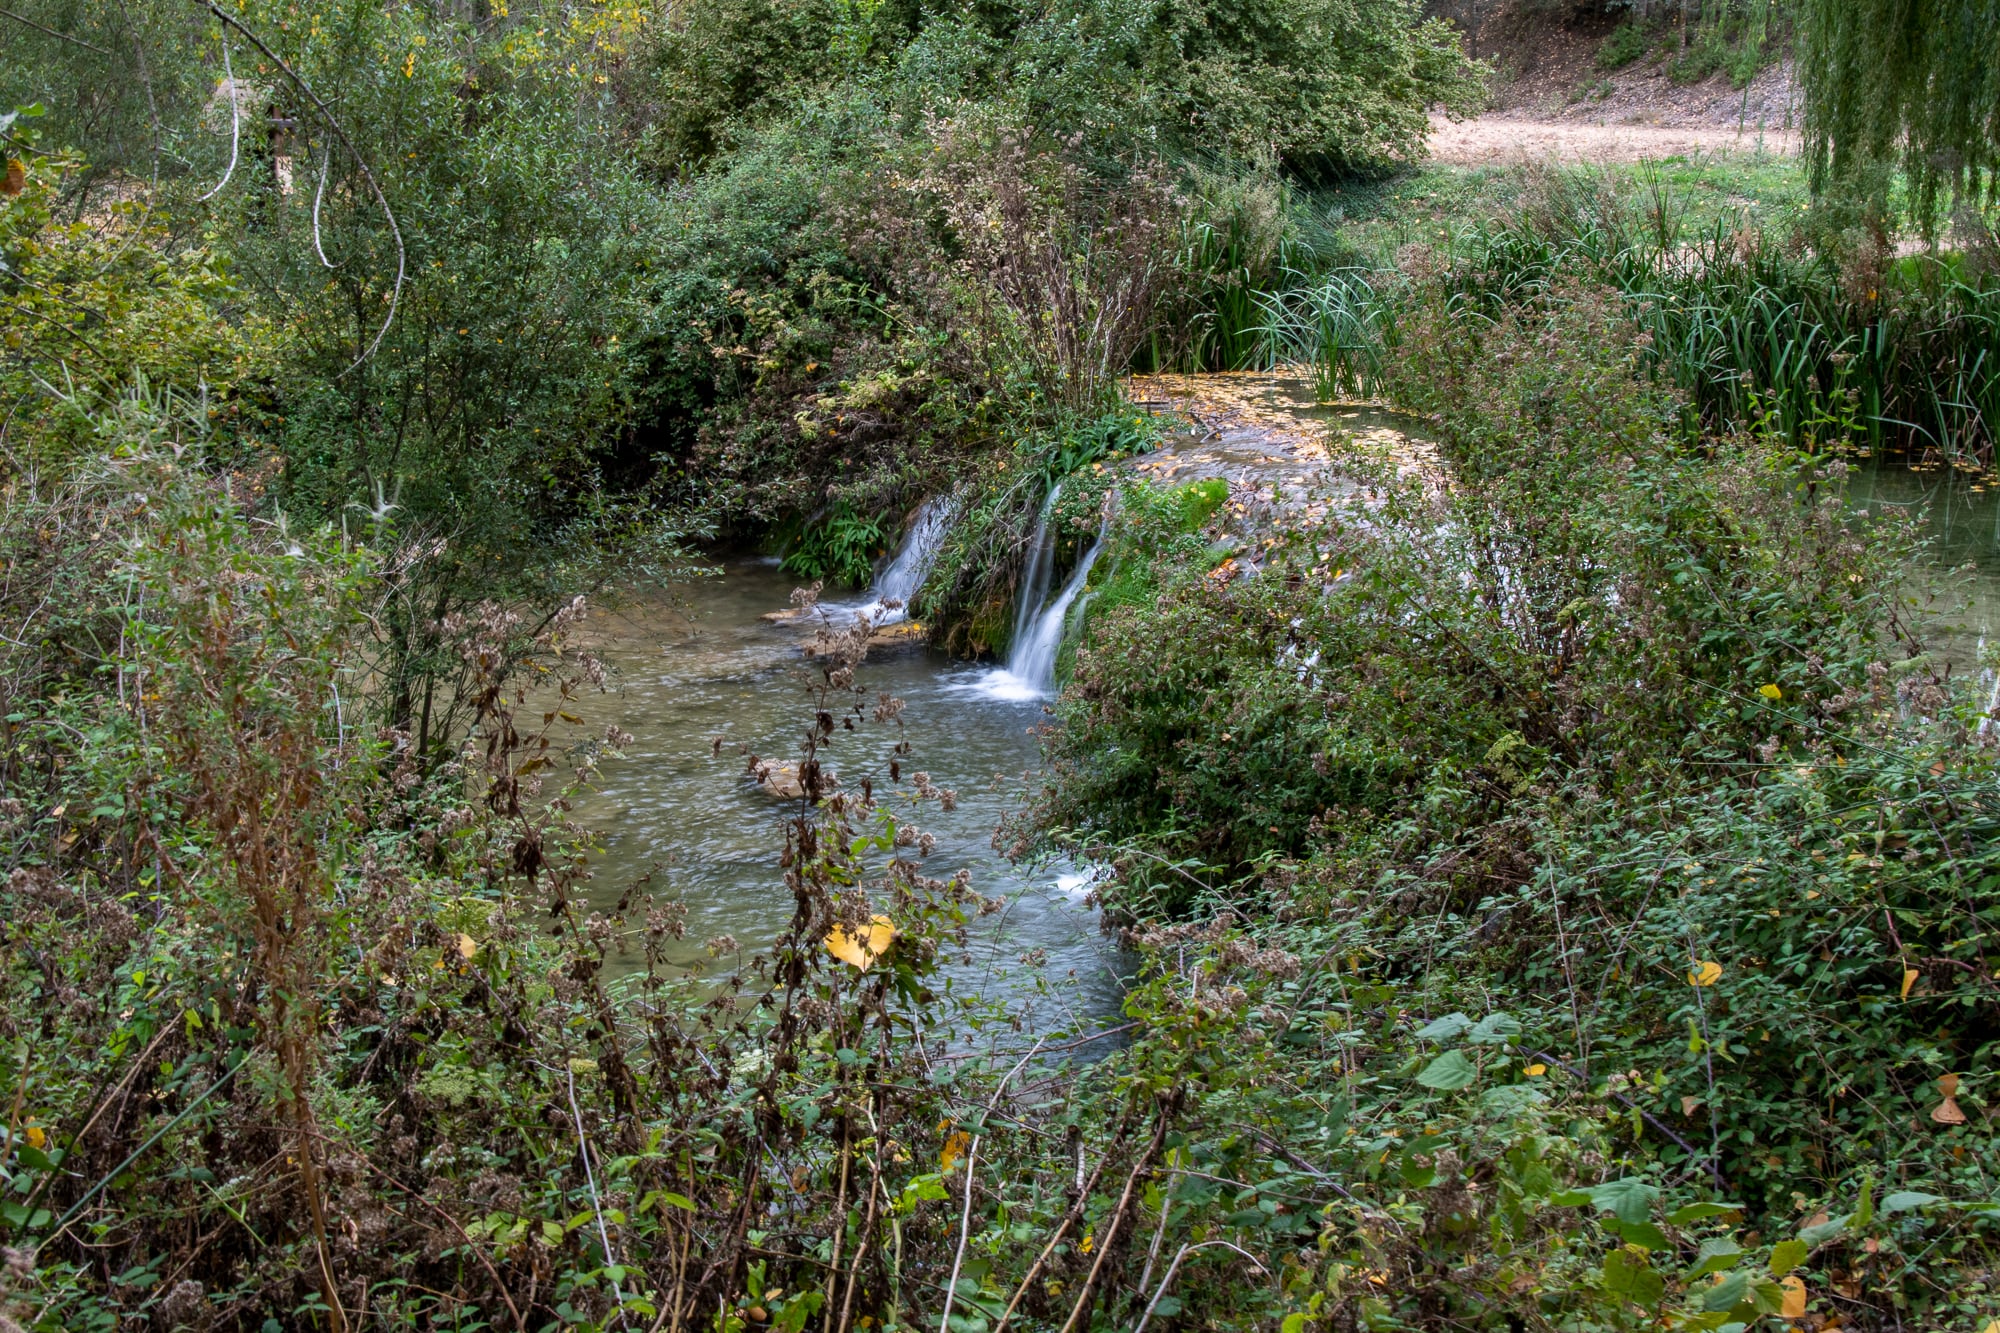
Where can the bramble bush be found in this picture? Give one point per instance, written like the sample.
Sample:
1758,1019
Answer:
1598,772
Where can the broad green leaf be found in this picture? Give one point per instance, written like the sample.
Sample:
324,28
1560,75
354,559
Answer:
1695,1212
1627,1275
1902,1201
1630,1198
1449,1072
1824,1231
1643,1234
1864,1212
1718,1254
1787,1255
1726,1294
1495,1028
1447,1028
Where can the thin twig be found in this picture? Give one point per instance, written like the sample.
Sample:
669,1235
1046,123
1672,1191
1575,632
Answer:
1174,1267
965,1218
1104,1245
402,258
78,41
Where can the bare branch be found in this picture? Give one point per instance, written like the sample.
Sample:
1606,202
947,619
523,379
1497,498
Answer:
74,41
374,186
235,124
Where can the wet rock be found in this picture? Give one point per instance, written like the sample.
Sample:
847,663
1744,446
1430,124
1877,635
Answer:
897,635
779,780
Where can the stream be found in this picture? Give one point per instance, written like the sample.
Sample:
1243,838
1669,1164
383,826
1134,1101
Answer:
705,660
703,663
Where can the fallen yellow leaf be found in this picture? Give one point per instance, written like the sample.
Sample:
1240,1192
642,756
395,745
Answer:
1705,974
1771,692
467,946
1795,1297
862,953
36,1138
1535,1070
1688,1104
1909,980
954,1148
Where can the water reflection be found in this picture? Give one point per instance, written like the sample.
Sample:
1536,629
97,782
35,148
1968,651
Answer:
1959,519
675,809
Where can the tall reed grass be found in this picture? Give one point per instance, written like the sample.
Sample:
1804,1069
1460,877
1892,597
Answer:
1898,353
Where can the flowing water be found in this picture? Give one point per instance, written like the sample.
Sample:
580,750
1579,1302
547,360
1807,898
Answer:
1039,620
705,665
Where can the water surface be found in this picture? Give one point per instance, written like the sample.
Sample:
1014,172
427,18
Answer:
703,665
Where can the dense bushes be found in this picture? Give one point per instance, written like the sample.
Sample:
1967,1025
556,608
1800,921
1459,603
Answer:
1617,731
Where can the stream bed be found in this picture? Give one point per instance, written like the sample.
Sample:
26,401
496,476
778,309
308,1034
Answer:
703,664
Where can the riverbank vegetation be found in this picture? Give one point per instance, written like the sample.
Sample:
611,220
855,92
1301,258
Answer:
1558,887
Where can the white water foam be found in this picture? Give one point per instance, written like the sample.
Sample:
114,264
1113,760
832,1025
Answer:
889,595
1030,673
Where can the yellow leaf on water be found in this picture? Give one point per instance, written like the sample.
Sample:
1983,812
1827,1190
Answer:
1909,980
1705,974
1794,1305
861,953
1771,692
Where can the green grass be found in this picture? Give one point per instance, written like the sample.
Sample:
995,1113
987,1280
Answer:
1433,202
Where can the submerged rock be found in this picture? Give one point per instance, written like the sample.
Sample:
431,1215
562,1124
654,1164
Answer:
779,780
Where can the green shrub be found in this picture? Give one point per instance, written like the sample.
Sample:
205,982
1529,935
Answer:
840,547
1627,42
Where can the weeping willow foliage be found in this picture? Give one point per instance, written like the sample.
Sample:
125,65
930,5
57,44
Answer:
1915,80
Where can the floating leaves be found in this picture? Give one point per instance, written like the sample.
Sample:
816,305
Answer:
861,952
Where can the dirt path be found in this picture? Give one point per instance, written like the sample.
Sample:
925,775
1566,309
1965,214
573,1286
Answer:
1500,141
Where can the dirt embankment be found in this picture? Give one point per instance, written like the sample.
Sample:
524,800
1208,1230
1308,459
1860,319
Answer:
1551,99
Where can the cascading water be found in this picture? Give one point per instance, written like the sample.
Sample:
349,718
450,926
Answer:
1041,568
1039,622
889,596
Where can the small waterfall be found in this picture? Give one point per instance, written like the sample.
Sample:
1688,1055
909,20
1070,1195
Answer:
1032,660
1041,568
899,580
1039,621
